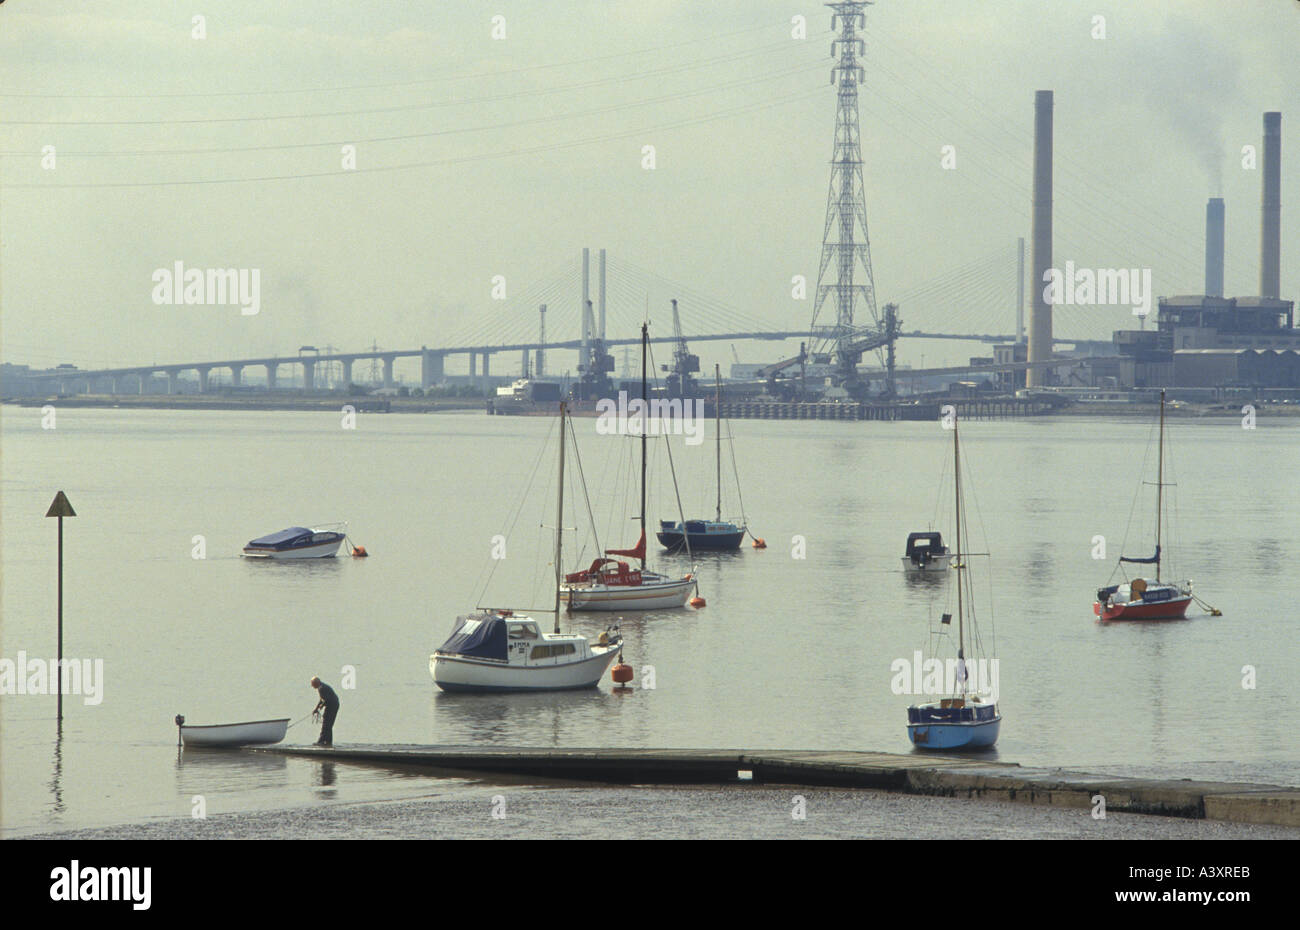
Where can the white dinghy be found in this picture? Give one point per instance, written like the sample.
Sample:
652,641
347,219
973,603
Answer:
250,733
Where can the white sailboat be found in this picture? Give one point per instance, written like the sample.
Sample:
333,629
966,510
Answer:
494,650
611,584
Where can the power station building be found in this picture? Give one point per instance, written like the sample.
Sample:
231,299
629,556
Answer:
1214,341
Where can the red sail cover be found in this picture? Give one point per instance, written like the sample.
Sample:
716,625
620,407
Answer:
636,552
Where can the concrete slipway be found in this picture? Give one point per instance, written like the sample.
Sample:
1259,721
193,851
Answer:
943,776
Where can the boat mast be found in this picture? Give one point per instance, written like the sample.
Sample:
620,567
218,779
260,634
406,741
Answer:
645,412
717,412
961,631
559,518
1160,481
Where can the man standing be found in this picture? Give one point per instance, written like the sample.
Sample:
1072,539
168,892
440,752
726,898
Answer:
330,702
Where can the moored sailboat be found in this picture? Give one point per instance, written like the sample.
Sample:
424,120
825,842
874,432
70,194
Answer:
612,584
494,650
966,720
1147,598
710,535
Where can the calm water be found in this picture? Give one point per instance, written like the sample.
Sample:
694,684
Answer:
789,653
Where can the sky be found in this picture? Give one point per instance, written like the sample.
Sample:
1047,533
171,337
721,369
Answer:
493,141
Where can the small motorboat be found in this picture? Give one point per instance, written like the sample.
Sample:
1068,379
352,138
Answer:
926,553
250,733
299,542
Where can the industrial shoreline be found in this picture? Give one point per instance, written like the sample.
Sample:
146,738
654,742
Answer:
366,404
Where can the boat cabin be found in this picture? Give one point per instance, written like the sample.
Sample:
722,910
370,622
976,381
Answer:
922,547
607,572
499,636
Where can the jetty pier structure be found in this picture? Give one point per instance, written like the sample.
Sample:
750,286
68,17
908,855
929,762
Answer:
935,775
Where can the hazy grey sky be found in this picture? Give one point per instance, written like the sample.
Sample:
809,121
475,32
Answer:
517,152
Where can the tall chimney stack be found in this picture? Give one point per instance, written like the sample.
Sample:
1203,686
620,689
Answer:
1270,238
602,295
1214,247
1040,319
586,302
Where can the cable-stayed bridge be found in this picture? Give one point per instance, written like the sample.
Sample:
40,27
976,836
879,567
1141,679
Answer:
976,302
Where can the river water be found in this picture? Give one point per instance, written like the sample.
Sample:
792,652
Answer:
793,650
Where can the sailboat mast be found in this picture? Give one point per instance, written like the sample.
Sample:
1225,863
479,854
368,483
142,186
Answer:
956,469
1160,481
717,414
559,519
645,412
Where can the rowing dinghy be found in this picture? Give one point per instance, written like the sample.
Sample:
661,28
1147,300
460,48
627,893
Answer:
250,733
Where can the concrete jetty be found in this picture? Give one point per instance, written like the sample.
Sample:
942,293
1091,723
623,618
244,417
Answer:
942,776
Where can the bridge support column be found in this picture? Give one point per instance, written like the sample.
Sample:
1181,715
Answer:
487,369
388,371
173,381
270,375
523,365
141,377
347,372
236,375
473,368
308,376
203,379
431,368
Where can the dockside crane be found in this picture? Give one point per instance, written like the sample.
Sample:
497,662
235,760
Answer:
681,381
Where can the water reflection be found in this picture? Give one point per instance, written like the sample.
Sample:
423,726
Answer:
501,718
56,780
213,768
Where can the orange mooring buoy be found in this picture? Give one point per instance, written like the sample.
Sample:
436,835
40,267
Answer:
759,543
697,601
359,552
622,674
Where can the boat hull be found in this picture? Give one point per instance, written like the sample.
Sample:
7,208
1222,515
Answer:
252,733
465,673
627,597
1175,608
950,736
324,550
936,565
673,540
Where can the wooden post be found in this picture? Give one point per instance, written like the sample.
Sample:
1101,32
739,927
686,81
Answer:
60,507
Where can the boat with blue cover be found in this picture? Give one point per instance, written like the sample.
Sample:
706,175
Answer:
707,535
966,719
299,542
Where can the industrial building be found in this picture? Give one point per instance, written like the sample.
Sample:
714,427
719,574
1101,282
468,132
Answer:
1213,341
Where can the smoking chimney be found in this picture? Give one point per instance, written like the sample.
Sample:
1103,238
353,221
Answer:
1214,247
1040,319
1270,238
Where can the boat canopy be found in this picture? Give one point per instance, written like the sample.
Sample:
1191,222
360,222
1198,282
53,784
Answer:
292,534
923,542
482,636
